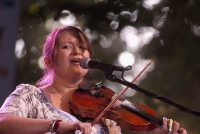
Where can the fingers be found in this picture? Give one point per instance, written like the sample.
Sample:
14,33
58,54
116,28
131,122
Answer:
169,127
84,128
183,131
164,123
173,127
76,126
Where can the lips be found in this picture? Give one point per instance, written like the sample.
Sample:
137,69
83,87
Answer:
76,60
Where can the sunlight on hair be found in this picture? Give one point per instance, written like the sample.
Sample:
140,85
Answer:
20,50
126,58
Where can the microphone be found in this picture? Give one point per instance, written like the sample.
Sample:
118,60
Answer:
87,63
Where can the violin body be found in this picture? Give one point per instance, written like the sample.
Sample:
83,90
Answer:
90,103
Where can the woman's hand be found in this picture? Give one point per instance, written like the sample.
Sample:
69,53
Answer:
164,128
71,127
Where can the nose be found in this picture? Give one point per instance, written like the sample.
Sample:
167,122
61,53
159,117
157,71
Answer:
76,51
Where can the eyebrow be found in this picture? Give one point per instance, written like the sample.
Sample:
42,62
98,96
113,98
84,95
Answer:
70,42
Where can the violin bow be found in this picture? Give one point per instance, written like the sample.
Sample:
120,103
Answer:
118,96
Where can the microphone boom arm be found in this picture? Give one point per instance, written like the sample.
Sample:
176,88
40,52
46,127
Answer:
151,95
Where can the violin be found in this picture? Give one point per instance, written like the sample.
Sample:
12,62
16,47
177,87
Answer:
88,101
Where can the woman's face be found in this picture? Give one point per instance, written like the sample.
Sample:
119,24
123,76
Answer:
68,54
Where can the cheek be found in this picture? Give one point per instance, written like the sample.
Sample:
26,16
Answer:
62,58
63,54
86,54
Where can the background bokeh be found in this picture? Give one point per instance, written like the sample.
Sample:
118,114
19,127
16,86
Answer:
125,32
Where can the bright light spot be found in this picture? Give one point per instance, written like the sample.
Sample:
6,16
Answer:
196,30
148,4
51,24
126,58
130,36
119,87
139,66
114,24
110,15
104,42
147,34
67,18
100,1
41,2
41,63
130,16
160,19
165,10
129,92
135,39
88,34
161,42
34,50
20,50
92,35
125,14
107,42
134,16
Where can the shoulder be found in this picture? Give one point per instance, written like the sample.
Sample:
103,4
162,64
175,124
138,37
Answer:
29,91
25,88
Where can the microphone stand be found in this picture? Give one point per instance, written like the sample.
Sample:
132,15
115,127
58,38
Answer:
113,78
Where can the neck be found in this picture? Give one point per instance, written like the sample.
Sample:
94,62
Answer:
66,93
66,82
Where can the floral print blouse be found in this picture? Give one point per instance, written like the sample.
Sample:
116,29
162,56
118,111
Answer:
29,101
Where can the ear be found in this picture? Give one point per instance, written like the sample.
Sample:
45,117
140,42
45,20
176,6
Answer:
47,62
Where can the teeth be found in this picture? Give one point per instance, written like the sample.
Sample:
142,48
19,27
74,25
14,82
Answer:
76,60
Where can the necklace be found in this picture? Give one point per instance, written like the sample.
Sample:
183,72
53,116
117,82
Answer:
59,92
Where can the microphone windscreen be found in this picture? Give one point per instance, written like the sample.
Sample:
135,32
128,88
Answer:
84,62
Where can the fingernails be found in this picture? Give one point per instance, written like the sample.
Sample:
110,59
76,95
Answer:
164,118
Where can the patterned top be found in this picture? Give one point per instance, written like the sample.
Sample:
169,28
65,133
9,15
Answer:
29,101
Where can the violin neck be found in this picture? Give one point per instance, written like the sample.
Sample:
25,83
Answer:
133,108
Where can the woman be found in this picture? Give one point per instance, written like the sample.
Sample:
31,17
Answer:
43,109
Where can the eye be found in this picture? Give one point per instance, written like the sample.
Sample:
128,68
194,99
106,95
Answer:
83,47
67,46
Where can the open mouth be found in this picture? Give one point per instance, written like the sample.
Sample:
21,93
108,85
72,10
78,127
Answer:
77,60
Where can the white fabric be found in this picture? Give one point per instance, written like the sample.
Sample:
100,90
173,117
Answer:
29,101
